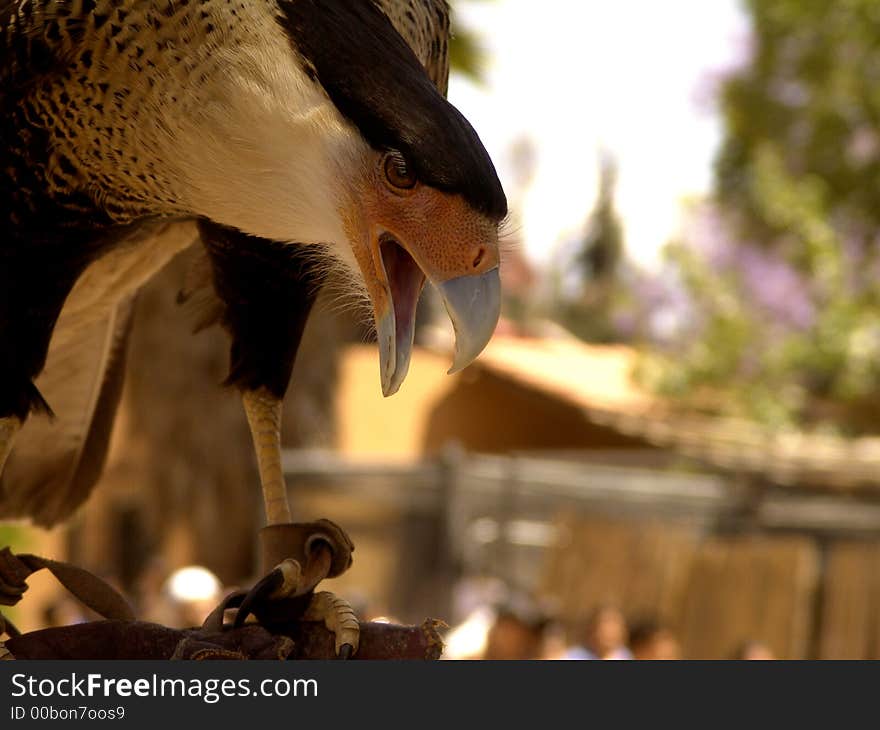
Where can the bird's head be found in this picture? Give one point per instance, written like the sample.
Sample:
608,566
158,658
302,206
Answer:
404,232
333,133
418,195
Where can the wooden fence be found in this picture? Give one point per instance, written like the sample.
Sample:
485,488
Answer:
715,592
720,560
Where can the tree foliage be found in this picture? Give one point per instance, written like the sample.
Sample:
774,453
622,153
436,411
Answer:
589,290
810,97
782,266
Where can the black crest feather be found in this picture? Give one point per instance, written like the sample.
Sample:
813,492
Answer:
375,80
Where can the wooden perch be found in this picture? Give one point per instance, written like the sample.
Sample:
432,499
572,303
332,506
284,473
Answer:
123,637
141,640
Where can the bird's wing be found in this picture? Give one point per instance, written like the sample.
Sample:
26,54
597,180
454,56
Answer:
202,307
424,25
56,462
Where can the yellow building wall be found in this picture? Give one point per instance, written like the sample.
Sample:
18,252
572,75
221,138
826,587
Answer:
370,426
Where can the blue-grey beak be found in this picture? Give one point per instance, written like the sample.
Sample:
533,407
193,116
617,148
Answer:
474,306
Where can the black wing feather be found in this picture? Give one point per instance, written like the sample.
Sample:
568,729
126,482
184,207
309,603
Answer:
56,462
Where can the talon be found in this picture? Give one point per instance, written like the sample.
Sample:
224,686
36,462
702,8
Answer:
264,590
339,618
291,573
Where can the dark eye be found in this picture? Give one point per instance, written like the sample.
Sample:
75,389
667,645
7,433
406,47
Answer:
398,172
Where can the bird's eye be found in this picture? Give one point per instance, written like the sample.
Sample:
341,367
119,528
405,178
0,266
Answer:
398,172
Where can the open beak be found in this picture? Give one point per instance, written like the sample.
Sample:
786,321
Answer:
473,302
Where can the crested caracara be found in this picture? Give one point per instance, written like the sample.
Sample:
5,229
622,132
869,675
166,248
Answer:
291,137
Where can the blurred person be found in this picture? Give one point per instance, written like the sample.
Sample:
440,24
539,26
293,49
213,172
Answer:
753,650
517,633
474,603
513,626
652,640
605,636
556,644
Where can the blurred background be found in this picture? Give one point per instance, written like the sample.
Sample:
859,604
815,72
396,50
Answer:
672,446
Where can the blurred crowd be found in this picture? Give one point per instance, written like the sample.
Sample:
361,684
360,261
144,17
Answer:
520,627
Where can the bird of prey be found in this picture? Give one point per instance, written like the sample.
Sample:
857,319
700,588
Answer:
292,137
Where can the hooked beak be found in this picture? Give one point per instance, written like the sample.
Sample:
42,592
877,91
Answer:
473,302
474,306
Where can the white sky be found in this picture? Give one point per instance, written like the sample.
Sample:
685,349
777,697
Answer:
577,75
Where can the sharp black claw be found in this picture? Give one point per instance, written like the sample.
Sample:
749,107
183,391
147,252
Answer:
264,588
346,651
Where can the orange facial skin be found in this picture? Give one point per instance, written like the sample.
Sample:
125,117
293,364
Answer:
443,234
403,233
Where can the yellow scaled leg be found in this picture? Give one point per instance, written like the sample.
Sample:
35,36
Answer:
264,417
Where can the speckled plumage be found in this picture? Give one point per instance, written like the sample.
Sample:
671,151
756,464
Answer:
81,140
123,121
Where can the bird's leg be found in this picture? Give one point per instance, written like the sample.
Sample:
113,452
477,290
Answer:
264,418
9,426
267,289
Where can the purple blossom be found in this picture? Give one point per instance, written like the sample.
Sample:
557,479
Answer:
769,283
775,286
626,324
708,233
663,311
